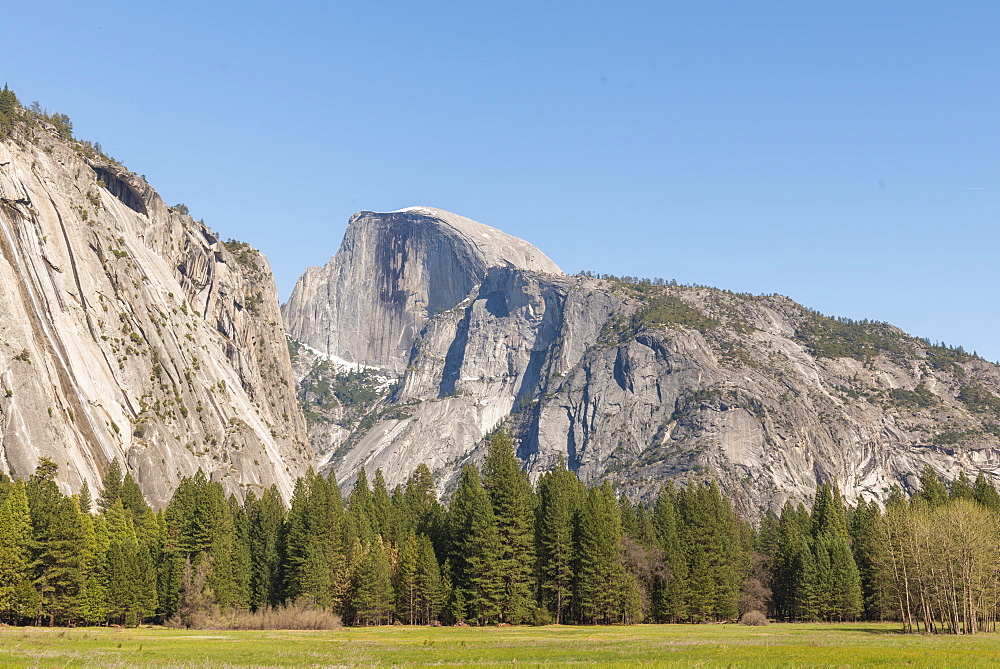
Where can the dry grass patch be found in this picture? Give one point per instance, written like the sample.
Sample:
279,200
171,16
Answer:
291,616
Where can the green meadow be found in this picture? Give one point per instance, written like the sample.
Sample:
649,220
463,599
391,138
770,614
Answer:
778,645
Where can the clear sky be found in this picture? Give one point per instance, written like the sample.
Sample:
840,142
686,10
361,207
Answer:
846,154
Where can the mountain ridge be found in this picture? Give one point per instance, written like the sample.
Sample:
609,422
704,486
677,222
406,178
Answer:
642,381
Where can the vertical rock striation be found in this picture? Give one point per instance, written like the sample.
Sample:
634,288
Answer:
130,331
394,271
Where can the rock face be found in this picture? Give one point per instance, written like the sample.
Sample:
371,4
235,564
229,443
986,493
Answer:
129,331
394,271
638,382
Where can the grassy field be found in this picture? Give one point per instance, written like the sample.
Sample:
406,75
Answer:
778,645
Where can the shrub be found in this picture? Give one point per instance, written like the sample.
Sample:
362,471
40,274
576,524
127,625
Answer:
292,616
754,618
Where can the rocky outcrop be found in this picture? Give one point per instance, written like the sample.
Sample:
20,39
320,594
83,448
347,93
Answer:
130,331
641,382
394,271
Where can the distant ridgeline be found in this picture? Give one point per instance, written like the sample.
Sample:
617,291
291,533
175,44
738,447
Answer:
502,552
824,336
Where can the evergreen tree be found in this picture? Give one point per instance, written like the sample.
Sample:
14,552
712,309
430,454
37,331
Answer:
266,518
111,487
672,594
10,108
420,510
478,582
241,561
628,601
360,517
867,555
314,554
132,498
121,577
718,554
381,508
200,531
560,495
598,546
58,543
84,499
130,594
932,490
371,587
985,493
644,531
795,577
630,520
15,555
407,603
513,507
961,488
430,588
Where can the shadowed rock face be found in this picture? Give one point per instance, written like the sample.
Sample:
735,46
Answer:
127,330
394,271
637,383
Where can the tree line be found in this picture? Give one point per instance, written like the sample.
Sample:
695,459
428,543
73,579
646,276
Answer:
501,552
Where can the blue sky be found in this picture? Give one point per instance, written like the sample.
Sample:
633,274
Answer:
844,154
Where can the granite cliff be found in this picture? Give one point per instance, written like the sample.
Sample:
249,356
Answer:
633,381
128,330
394,271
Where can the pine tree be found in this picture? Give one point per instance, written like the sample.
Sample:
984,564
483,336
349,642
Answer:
838,580
407,604
420,510
868,550
961,488
58,543
644,532
717,551
985,493
266,518
84,499
10,108
15,543
111,487
314,554
598,545
241,561
199,530
381,508
795,569
513,507
628,603
430,588
478,582
560,495
371,587
121,575
132,498
672,594
932,490
360,517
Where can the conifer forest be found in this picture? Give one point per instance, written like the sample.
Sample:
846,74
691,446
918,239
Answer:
501,552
